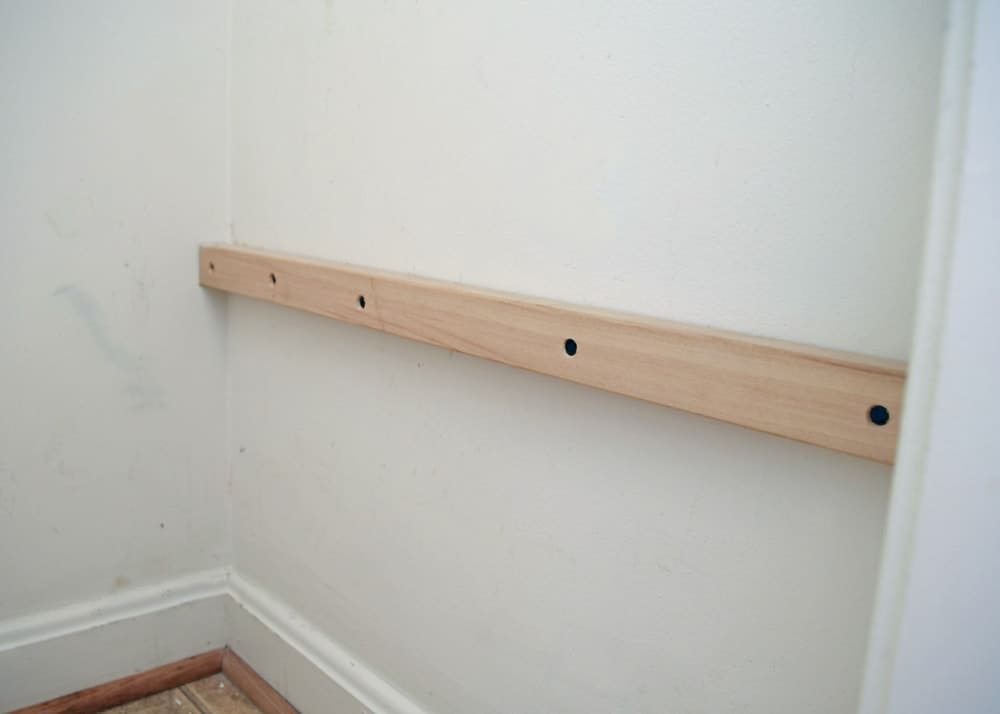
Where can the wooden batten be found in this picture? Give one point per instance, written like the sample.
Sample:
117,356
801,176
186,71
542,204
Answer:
822,397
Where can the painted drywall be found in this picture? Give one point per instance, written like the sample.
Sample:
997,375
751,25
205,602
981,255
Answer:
113,167
761,168
491,540
486,539
936,636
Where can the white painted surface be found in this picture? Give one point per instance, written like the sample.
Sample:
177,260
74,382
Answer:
493,541
50,653
304,684
936,635
112,170
300,660
130,603
924,361
123,633
480,538
755,166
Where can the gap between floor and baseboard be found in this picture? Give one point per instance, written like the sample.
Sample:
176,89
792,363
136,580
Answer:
88,621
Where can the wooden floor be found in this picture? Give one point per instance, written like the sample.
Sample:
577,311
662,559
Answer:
212,695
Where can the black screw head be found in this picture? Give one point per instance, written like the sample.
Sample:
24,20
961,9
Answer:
878,415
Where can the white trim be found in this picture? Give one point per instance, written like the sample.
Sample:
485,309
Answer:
924,360
346,670
122,605
65,649
336,663
934,630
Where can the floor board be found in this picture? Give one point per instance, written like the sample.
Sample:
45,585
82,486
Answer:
212,695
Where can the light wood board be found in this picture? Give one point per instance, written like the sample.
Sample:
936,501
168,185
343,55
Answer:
814,395
218,694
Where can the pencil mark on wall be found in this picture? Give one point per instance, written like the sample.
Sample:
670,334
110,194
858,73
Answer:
54,226
143,392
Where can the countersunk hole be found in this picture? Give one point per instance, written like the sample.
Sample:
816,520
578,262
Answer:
361,301
274,279
211,266
878,415
570,346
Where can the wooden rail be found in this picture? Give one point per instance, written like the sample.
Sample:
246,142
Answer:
841,401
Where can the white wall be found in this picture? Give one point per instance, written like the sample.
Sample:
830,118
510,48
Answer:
495,541
113,167
936,635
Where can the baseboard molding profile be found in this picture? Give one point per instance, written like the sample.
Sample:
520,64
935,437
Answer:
352,677
52,653
155,634
841,401
125,604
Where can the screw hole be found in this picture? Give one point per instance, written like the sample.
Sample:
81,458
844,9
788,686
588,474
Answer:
274,279
361,301
878,415
570,347
211,267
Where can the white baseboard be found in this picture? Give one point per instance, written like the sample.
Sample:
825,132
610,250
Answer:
300,681
307,652
52,653
49,654
124,604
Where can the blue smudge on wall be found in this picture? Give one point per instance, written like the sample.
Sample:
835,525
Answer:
140,387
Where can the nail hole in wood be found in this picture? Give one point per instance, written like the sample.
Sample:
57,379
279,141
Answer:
274,279
361,301
878,415
570,347
211,266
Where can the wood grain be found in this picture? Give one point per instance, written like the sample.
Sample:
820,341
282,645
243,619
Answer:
219,695
253,685
128,689
172,701
817,396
